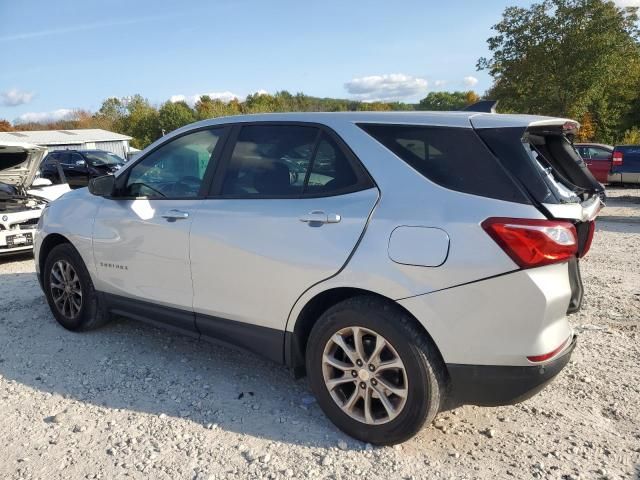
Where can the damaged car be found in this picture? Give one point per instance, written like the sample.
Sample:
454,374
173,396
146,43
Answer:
23,195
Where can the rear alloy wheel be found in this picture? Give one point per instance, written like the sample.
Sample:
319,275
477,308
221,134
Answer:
375,373
69,290
365,375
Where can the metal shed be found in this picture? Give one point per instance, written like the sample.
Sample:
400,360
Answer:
81,139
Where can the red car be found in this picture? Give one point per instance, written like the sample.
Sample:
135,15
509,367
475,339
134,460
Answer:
598,158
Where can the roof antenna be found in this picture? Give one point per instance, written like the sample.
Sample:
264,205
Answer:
483,106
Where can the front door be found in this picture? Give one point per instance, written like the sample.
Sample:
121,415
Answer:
288,209
141,236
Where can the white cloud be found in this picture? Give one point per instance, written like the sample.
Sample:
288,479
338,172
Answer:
192,99
470,81
439,83
628,3
15,97
60,114
388,87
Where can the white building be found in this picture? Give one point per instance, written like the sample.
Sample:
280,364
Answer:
81,139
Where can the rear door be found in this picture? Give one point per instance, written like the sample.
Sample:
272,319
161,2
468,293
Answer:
285,212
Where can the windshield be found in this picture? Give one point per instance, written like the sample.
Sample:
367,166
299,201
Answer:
98,159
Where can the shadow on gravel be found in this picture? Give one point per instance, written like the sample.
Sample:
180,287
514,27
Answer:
132,366
15,258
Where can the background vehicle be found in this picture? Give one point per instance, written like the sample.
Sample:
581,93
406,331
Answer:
598,158
625,166
428,260
80,166
23,195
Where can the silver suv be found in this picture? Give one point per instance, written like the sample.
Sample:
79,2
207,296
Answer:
407,263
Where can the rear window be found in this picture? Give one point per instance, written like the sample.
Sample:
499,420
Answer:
454,158
544,161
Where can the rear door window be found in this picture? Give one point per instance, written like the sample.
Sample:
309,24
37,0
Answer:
454,158
289,161
269,160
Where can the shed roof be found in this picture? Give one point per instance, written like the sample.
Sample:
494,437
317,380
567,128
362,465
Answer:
63,137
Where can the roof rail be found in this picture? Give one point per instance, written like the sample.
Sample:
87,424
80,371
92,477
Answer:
483,106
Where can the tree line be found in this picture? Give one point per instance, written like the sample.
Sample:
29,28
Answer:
137,117
578,59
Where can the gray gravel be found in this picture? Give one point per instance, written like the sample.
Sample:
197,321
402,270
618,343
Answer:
131,401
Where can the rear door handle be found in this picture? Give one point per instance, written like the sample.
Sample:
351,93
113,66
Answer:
318,216
173,215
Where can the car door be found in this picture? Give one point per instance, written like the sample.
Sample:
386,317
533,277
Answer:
286,211
141,235
79,169
69,168
598,161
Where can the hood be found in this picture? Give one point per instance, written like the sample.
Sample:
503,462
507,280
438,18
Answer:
19,163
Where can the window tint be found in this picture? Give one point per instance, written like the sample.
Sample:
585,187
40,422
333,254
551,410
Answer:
331,170
75,158
176,169
270,160
452,157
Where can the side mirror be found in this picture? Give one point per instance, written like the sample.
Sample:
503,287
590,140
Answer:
102,186
81,163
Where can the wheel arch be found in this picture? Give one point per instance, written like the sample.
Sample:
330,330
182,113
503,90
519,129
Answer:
296,340
49,243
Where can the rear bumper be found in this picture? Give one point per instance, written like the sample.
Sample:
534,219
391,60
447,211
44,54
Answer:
491,385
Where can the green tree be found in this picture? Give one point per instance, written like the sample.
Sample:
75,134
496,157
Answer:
174,115
207,107
447,100
566,58
141,121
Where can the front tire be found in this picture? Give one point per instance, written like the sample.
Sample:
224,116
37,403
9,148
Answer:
69,290
375,374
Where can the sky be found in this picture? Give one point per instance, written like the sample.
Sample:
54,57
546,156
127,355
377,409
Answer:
57,56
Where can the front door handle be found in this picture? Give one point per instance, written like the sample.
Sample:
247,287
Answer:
173,215
318,216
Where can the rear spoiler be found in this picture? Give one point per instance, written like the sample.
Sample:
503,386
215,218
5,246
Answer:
483,106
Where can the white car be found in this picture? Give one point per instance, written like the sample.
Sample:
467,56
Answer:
23,195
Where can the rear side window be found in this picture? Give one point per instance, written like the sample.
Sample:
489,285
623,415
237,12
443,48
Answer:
270,161
454,158
289,161
331,170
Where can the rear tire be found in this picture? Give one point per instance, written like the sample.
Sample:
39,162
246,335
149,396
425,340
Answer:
349,386
69,290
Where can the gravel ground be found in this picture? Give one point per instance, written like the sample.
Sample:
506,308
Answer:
132,401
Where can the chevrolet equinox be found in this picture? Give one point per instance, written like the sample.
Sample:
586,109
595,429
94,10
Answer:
407,263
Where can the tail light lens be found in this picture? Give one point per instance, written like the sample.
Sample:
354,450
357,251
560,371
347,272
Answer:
533,243
617,159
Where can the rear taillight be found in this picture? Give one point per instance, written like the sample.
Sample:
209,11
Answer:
533,243
617,158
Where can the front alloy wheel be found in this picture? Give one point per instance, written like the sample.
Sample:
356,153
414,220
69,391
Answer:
66,290
69,290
